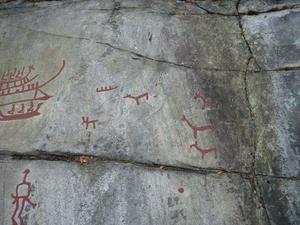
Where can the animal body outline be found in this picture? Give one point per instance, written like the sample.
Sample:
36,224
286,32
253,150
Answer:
197,129
137,98
205,102
204,150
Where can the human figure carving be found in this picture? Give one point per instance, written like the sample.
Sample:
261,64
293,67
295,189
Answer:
137,98
205,150
87,122
20,199
197,129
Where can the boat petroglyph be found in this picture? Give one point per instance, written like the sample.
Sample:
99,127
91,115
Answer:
21,97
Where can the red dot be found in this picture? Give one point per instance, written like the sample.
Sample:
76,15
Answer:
181,189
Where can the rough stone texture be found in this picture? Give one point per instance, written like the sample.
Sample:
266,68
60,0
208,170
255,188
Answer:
258,6
274,98
282,200
274,38
242,56
224,7
110,193
152,131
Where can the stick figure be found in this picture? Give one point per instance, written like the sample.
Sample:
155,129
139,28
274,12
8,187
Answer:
87,122
21,198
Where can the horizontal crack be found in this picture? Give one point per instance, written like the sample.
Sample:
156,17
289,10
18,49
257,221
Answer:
76,158
274,9
195,3
278,177
250,12
288,68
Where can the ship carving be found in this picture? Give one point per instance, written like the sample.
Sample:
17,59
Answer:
21,97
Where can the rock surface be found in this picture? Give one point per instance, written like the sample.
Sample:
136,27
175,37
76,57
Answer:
186,112
110,193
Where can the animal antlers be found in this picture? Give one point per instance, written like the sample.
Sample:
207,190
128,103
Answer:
205,102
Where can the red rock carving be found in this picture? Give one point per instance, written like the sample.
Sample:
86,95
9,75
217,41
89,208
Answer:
137,98
29,94
105,89
204,151
205,102
195,128
87,122
20,199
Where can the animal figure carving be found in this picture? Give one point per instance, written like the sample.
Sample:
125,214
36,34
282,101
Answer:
137,98
196,129
204,150
205,102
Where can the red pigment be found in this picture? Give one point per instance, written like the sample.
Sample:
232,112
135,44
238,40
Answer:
137,98
181,189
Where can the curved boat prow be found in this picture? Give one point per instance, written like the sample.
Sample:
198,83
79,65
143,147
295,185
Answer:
56,75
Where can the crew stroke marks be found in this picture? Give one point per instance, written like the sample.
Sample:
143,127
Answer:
20,198
106,89
24,96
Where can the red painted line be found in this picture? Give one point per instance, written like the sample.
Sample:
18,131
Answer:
137,98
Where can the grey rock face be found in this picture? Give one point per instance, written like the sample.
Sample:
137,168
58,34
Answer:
110,193
282,200
154,129
226,7
274,38
149,112
258,6
276,110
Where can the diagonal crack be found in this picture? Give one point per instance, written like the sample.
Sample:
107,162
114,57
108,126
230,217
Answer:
254,181
245,39
253,176
214,13
127,51
34,4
